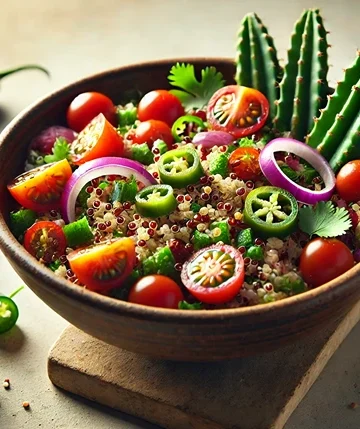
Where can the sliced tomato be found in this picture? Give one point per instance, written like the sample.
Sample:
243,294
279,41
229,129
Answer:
215,274
103,267
98,139
40,189
86,106
244,162
45,240
156,291
238,110
150,131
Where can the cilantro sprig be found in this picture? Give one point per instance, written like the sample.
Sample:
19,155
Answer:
192,93
60,150
324,220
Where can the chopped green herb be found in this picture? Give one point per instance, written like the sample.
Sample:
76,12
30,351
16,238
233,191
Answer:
184,305
201,240
83,197
54,265
21,220
124,191
218,164
246,142
127,115
161,262
290,284
60,151
324,220
289,172
103,185
245,238
195,207
192,93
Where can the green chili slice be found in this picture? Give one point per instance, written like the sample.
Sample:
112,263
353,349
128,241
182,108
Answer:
9,314
179,127
180,167
155,201
271,211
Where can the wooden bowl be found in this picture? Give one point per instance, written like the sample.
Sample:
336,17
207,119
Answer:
168,334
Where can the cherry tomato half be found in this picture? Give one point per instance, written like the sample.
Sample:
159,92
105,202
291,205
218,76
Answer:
103,267
244,162
347,181
215,274
40,189
98,139
150,131
324,259
156,291
86,106
45,240
161,105
238,110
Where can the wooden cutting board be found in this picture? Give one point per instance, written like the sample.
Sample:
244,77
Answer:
257,392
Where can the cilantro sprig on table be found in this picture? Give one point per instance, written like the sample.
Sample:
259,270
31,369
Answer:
192,93
60,150
324,220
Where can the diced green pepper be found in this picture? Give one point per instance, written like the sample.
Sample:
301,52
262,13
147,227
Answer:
255,252
54,265
184,305
142,153
103,185
201,240
245,238
21,220
219,164
162,262
124,191
83,197
127,115
195,207
78,232
290,283
224,235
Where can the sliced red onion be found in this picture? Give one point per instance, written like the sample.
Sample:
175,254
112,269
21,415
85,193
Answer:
213,138
44,142
90,170
276,177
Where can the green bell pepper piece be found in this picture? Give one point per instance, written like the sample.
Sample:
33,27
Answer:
142,153
255,252
201,240
245,238
161,262
21,220
225,232
78,232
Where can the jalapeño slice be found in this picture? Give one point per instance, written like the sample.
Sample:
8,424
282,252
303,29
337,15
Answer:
180,126
155,201
271,211
9,314
180,167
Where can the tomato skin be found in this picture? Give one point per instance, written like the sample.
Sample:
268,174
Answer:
150,131
160,105
40,189
86,106
347,181
156,291
224,292
238,110
103,267
324,259
51,247
97,140
244,162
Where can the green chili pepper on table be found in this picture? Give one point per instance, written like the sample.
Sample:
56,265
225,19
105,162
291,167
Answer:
9,311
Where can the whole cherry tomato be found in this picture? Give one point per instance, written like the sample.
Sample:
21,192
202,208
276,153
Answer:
347,181
161,105
150,131
244,162
324,259
86,106
238,110
156,291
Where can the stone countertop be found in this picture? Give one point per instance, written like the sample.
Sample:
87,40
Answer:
77,38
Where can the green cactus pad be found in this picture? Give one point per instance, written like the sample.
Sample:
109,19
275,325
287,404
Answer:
304,87
257,65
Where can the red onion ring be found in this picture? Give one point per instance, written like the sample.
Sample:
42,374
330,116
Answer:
100,167
276,177
209,139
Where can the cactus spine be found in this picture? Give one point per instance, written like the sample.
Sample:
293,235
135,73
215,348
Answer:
336,133
304,87
257,65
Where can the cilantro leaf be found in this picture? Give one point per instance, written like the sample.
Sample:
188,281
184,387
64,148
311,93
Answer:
192,93
246,142
290,173
324,220
184,305
61,150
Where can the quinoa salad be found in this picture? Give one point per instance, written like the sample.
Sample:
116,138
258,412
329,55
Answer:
209,194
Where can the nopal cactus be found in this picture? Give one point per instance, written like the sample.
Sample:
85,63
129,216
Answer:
336,133
257,65
304,87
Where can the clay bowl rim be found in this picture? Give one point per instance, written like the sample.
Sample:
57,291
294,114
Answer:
16,252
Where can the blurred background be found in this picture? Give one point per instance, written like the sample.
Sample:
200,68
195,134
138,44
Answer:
75,38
